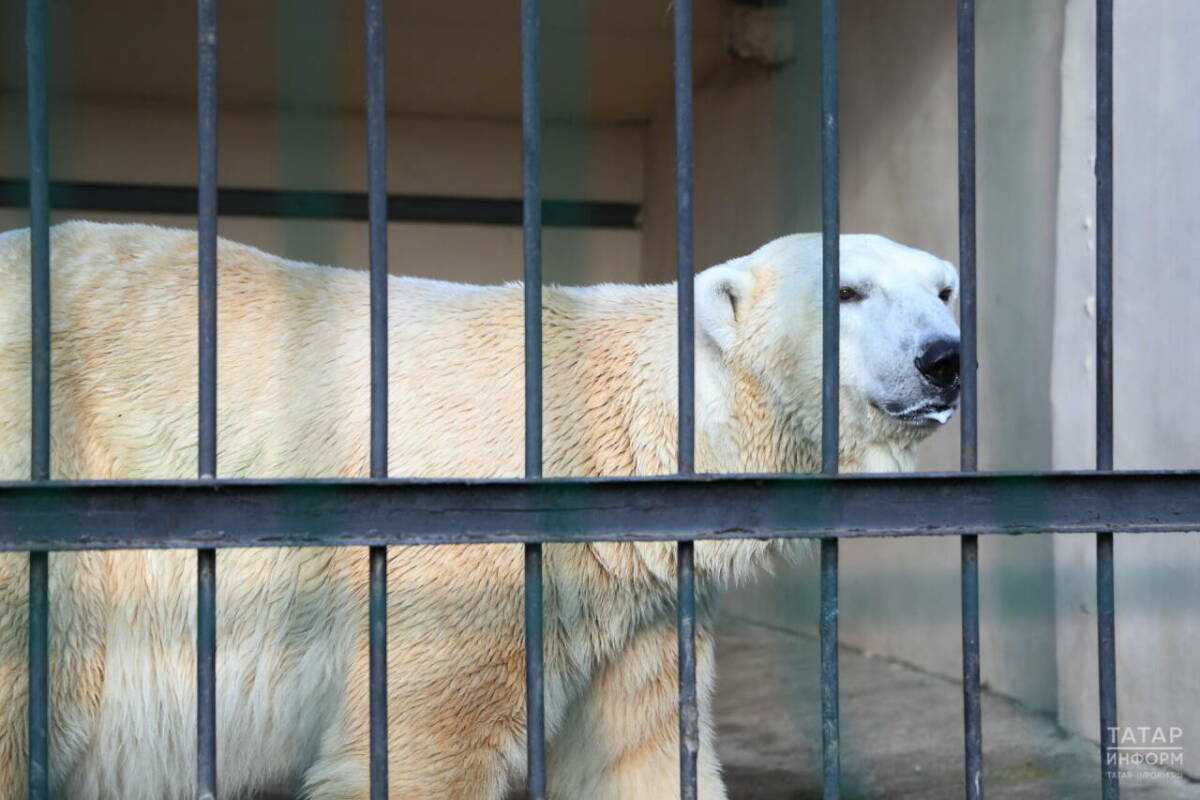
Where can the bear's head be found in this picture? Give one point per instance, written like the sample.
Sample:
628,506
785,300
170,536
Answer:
759,323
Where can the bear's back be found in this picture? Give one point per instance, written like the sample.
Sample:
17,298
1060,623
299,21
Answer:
293,366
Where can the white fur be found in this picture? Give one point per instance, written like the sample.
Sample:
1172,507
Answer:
293,402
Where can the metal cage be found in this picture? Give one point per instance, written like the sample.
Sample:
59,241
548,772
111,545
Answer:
203,514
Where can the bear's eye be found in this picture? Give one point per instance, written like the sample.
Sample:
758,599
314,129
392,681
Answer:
848,295
944,295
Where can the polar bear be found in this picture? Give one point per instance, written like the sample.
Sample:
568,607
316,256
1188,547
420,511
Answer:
293,402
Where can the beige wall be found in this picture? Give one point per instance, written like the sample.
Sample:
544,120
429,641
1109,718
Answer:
900,598
756,161
757,176
131,142
1156,364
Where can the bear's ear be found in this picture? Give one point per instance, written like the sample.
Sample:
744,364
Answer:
721,296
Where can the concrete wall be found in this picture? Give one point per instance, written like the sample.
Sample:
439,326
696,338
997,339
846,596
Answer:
1157,366
136,142
902,181
757,159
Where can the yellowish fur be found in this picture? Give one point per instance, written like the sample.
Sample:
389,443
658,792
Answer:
293,402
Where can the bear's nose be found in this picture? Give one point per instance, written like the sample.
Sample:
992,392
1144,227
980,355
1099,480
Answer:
939,362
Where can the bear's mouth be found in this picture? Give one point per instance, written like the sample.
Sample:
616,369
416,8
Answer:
923,413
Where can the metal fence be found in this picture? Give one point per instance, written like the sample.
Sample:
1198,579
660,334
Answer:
43,515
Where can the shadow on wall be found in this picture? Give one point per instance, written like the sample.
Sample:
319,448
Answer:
1169,591
900,598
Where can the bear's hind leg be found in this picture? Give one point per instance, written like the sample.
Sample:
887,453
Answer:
621,739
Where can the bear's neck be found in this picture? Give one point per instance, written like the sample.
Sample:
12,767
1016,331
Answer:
763,435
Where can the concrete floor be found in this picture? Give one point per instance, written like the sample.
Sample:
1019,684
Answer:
901,731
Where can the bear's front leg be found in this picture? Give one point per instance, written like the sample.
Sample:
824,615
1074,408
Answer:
456,687
620,740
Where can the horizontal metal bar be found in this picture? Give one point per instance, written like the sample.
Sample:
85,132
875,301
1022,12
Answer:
201,513
153,199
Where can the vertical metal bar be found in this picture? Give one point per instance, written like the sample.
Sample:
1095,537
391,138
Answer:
534,674
684,226
689,715
830,383
39,233
206,559
969,443
377,634
1104,235
206,672
39,684
39,266
531,176
1105,600
831,261
972,713
207,243
377,221
830,733
1106,625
